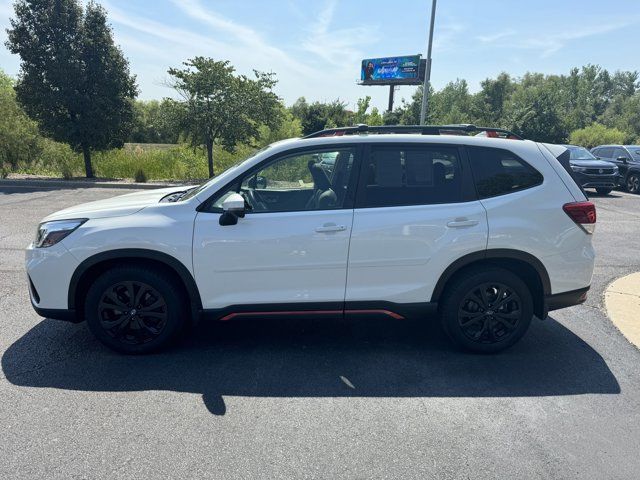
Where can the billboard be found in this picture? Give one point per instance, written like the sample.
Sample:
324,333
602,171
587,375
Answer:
407,70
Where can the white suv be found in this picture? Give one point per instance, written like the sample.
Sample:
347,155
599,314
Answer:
487,232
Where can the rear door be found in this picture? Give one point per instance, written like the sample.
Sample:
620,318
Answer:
415,214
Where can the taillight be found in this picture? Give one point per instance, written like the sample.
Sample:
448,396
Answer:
583,213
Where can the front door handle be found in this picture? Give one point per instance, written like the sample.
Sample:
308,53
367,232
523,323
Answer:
462,222
331,228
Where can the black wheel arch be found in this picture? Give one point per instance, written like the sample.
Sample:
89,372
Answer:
98,263
523,264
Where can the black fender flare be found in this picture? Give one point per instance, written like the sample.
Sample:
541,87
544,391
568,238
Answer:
137,253
490,254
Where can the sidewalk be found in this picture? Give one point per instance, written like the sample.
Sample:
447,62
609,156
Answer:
622,301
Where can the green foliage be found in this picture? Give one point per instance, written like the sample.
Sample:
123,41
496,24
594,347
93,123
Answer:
155,122
20,143
289,127
74,81
318,116
597,134
539,107
220,107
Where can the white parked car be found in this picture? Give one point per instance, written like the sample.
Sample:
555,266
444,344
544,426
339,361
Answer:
486,232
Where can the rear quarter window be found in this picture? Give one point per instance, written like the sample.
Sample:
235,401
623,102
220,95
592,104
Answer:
500,172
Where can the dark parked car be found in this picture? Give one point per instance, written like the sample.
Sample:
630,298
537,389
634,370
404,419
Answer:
590,172
627,158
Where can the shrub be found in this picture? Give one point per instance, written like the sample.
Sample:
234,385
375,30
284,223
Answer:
140,176
596,134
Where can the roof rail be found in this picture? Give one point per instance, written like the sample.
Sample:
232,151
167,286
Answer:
418,129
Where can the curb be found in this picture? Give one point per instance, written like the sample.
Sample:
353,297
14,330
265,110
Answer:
622,302
62,184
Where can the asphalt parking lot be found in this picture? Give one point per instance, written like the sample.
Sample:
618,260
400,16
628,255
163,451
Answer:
317,399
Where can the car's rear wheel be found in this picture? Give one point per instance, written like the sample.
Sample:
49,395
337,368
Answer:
633,183
486,310
135,310
604,191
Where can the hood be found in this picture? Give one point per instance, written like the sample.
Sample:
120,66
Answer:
592,163
116,206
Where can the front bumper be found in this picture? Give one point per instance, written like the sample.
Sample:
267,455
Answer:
49,272
596,181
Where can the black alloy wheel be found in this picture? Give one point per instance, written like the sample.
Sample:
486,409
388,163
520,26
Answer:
490,313
132,312
633,183
486,309
136,309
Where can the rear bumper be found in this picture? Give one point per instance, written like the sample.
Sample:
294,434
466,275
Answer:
566,299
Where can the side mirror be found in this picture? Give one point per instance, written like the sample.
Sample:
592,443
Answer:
622,159
257,182
234,208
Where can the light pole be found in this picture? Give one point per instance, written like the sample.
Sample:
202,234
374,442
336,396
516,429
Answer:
427,76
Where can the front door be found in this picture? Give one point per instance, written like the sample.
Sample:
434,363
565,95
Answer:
292,245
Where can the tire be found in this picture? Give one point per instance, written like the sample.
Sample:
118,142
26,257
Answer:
604,191
153,322
463,307
632,183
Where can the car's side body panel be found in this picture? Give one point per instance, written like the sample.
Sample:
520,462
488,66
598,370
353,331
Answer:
398,253
283,257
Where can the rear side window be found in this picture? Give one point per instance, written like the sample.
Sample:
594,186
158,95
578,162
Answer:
499,172
409,175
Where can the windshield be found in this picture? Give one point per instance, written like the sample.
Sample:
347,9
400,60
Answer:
580,153
195,190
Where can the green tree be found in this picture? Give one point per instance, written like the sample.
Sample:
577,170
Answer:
596,134
489,102
74,82
20,142
221,107
318,116
154,122
533,113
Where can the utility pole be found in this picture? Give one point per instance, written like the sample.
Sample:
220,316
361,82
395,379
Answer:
427,76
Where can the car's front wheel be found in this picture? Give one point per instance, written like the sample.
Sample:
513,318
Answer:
134,309
604,191
633,183
486,310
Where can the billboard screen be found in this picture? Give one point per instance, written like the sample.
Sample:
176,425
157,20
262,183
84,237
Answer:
391,70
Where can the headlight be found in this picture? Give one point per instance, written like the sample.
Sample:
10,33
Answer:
50,233
575,168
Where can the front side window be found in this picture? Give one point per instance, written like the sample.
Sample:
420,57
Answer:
499,172
606,152
409,175
310,180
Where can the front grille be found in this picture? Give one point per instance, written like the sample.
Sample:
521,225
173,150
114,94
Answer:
599,171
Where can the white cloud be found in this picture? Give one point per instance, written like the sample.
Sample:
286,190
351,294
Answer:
492,38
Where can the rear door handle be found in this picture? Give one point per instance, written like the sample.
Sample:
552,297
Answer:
462,222
331,228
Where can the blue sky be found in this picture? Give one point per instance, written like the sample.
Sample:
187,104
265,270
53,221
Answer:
315,46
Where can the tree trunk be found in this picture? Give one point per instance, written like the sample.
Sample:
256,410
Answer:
210,157
86,153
